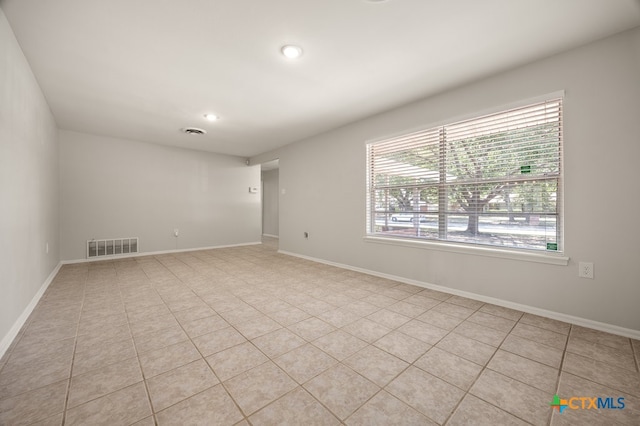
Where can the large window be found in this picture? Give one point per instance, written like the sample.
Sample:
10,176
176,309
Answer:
493,180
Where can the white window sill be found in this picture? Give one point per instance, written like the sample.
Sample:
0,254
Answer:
537,257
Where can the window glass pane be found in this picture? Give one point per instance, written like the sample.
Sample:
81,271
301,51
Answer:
493,180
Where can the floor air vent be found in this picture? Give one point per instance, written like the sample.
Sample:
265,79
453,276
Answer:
112,247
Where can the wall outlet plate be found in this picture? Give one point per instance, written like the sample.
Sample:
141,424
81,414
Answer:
585,270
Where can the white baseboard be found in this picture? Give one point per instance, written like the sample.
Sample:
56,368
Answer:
154,253
271,236
584,322
22,319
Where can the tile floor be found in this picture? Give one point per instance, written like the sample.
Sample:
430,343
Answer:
245,335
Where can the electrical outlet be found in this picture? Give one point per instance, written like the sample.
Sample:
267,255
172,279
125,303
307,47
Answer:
176,232
585,270
306,235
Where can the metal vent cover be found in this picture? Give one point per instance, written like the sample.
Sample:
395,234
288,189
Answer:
112,247
194,131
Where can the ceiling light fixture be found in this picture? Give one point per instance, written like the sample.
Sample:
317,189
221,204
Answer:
211,117
193,131
291,52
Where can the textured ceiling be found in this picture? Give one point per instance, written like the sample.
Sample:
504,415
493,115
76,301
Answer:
143,69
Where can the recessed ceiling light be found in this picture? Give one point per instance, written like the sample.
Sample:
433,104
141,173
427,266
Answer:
211,117
290,51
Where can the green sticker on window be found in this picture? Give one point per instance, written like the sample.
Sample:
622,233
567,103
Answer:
552,246
525,170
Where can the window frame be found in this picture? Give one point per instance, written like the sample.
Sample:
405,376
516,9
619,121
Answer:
471,247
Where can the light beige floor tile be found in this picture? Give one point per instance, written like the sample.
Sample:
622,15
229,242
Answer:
89,325
466,348
217,341
492,321
380,300
523,401
312,328
466,302
620,343
316,307
403,346
376,365
272,305
160,339
384,409
501,311
409,288
473,412
106,380
152,324
434,294
278,342
199,312
35,405
428,333
138,314
257,326
176,385
483,334
19,376
242,314
289,316
395,293
236,360
102,355
305,362
367,330
165,359
607,354
453,310
533,350
540,335
26,353
125,406
48,335
103,336
297,407
602,373
530,372
204,325
341,389
546,323
444,321
339,317
339,344
163,301
361,308
213,406
407,309
422,301
388,318
259,386
426,393
449,367
55,420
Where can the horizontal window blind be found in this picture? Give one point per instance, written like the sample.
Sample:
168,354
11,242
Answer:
494,179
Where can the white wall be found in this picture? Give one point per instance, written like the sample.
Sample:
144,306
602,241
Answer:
113,188
28,185
324,179
270,200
